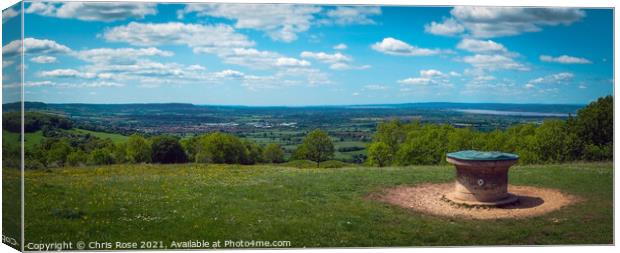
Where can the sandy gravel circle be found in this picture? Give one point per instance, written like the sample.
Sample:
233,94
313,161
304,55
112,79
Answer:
428,198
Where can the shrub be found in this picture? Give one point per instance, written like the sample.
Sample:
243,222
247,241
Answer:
167,149
77,158
58,152
101,156
138,149
221,148
379,154
273,153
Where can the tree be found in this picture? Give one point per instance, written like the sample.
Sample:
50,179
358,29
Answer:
120,152
254,153
318,146
101,156
391,133
425,145
299,153
594,126
77,158
221,148
595,122
58,152
551,141
167,149
379,154
138,149
273,153
190,145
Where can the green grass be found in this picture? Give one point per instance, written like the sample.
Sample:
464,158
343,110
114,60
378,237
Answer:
116,138
11,204
30,140
308,207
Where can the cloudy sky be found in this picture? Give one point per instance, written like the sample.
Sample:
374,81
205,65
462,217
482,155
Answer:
244,54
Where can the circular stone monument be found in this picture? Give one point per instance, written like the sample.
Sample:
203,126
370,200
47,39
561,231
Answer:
481,178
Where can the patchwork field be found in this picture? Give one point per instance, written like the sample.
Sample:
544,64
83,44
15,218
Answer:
308,207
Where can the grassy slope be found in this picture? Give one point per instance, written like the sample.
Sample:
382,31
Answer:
30,140
36,137
116,138
11,204
309,207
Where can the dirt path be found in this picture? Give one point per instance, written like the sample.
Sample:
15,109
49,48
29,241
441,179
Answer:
428,198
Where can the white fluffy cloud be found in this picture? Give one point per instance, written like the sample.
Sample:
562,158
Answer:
448,27
336,61
340,46
486,22
34,46
9,14
393,46
281,22
67,73
106,12
430,73
428,77
416,81
197,36
221,40
325,57
494,62
481,46
349,15
118,55
43,59
257,59
565,59
291,62
558,78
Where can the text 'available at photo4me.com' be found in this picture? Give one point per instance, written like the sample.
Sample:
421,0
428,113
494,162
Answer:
154,245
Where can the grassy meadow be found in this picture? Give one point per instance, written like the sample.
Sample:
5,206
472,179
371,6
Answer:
308,207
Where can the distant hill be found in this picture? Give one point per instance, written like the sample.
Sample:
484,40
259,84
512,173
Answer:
69,107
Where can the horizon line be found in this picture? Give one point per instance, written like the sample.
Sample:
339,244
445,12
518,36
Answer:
318,105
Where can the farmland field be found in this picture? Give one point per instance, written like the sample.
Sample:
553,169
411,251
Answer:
349,126
308,207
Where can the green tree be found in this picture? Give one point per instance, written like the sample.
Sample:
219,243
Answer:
101,156
254,153
300,153
379,154
167,149
221,148
190,145
138,149
120,152
594,126
77,158
58,152
426,145
392,133
273,153
318,146
595,122
551,141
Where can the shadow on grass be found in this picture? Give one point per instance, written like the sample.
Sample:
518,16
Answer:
524,202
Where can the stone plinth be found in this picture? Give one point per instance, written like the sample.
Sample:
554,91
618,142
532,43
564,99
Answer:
481,177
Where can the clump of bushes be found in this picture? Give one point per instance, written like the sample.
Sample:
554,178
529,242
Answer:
588,137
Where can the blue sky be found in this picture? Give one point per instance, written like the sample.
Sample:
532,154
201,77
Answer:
310,55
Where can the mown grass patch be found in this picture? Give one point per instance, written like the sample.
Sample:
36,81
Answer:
309,207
